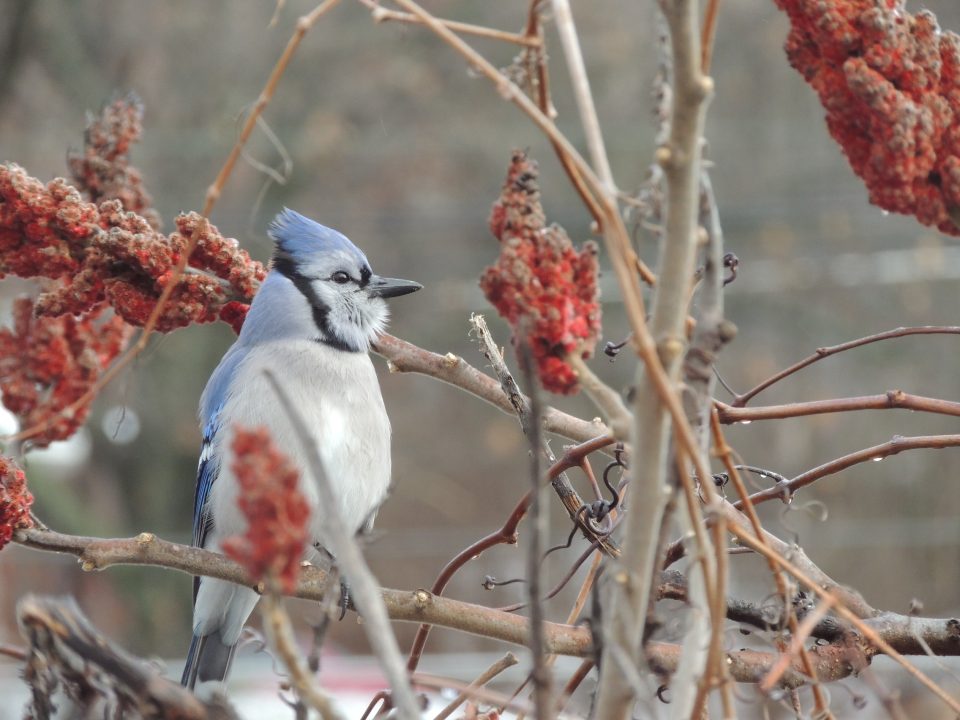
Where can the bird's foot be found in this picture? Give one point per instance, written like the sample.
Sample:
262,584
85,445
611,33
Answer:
346,600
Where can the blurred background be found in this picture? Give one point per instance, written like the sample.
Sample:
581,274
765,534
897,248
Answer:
396,143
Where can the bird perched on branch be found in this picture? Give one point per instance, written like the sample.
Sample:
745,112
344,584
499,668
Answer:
311,324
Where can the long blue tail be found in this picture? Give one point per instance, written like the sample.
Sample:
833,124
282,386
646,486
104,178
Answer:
208,659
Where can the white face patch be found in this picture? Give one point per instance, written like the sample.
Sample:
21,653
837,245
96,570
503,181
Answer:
353,317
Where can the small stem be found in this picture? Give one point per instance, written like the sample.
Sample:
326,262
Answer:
708,34
606,399
825,352
507,661
892,399
382,14
895,446
800,636
563,17
279,630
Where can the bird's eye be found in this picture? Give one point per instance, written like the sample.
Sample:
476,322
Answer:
340,277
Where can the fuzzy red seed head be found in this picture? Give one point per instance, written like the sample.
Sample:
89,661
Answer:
545,289
108,252
890,83
103,169
234,313
15,500
49,364
276,511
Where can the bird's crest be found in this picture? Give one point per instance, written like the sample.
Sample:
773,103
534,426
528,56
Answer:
301,240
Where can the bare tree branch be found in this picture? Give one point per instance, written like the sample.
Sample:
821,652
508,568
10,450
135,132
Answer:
891,399
539,521
877,642
901,632
627,601
894,446
825,352
570,42
403,356
382,14
508,660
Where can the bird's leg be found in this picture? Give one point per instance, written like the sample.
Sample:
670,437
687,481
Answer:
346,600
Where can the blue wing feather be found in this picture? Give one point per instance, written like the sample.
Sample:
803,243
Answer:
207,472
211,406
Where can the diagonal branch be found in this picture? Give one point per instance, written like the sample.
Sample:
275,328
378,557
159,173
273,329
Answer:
825,352
895,446
892,399
344,547
563,17
403,357
382,14
278,628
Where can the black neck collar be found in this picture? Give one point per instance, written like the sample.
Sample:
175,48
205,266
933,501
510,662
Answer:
321,311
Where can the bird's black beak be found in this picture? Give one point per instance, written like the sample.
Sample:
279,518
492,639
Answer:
390,287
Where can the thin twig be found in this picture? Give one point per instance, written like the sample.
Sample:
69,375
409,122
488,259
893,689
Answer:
892,399
573,683
349,558
479,693
570,42
507,534
507,661
661,347
561,483
711,333
279,630
13,651
303,26
800,636
615,234
825,352
382,14
541,91
708,34
895,446
607,400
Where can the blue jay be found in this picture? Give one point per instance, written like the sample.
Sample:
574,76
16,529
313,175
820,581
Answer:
311,323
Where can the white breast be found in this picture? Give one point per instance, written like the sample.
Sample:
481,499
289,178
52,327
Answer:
338,395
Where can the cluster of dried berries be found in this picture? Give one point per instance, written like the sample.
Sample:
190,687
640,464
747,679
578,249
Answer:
15,500
103,169
540,284
105,253
276,511
48,364
890,83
